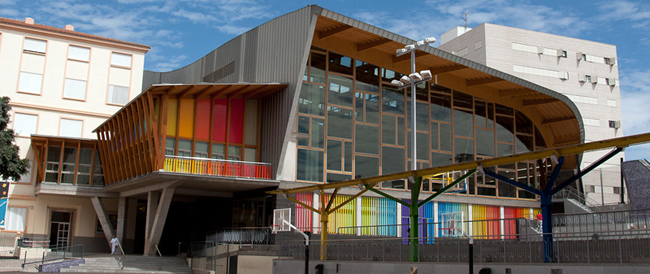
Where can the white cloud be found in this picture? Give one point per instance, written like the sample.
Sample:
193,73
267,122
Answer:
635,99
8,12
637,12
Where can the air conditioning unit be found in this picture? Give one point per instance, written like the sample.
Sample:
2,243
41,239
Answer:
564,75
611,82
579,56
540,50
610,61
561,53
593,79
617,124
583,78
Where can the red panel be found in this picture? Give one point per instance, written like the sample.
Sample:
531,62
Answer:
236,121
202,119
304,215
220,111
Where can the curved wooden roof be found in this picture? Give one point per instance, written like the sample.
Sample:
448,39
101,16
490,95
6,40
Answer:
555,115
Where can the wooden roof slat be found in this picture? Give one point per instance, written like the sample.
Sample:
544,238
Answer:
482,81
407,57
446,69
328,33
366,46
537,102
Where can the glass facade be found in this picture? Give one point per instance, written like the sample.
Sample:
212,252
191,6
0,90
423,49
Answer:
352,123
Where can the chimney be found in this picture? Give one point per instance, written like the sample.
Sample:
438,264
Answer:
69,27
29,20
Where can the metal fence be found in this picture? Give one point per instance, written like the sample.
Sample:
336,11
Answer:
39,256
243,235
610,237
208,256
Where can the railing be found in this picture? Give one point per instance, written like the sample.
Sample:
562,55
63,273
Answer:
217,167
31,256
120,256
243,235
573,193
207,256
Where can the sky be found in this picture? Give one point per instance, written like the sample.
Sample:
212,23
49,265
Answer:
182,31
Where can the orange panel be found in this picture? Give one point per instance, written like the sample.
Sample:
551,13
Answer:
186,123
172,110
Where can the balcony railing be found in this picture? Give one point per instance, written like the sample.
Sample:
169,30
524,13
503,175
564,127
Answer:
217,167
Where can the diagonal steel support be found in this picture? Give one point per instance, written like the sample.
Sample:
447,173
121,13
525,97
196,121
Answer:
502,178
556,171
444,189
588,169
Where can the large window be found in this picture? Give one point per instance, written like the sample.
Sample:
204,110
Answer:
121,60
30,82
70,128
79,53
74,89
15,219
25,124
118,95
353,123
34,46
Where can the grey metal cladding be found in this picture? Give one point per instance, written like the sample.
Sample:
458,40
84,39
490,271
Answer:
250,57
281,44
226,54
149,78
208,62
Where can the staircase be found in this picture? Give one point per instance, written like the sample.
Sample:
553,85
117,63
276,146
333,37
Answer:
132,264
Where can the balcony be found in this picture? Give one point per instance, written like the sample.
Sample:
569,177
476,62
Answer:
217,167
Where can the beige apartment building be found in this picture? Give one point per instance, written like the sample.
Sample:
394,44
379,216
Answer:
62,84
584,71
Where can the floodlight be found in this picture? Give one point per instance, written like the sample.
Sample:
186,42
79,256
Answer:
397,83
480,170
430,40
409,47
415,76
426,75
406,80
361,186
401,51
420,43
554,159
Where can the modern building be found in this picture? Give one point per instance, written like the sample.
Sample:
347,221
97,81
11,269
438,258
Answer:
62,84
303,99
584,71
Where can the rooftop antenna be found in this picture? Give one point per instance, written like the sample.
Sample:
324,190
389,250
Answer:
465,19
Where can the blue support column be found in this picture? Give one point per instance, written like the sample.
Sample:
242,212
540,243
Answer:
547,226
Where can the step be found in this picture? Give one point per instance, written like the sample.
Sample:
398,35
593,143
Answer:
133,264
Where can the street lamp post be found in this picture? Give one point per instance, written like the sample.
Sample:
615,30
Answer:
413,79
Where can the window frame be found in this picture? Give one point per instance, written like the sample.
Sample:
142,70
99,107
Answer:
66,85
27,114
117,64
26,217
81,130
34,51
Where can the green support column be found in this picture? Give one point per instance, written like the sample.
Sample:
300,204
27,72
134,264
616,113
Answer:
415,193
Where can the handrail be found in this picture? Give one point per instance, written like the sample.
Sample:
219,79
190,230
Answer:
157,250
121,257
217,160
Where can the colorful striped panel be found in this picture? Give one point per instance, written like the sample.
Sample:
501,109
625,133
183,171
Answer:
219,114
236,132
378,216
186,119
202,121
304,216
343,217
510,216
172,113
486,223
426,228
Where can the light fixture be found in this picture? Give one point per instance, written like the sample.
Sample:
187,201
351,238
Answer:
426,75
397,83
405,79
554,159
361,186
415,77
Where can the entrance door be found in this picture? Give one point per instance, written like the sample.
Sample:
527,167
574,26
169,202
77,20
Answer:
60,229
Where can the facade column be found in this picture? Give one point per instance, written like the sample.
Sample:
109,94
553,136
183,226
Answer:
121,218
103,218
156,218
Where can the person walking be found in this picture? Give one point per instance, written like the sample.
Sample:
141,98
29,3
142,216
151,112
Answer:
114,243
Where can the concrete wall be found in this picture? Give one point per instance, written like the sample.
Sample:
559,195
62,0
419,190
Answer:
344,267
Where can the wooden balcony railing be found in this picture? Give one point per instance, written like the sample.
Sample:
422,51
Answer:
217,167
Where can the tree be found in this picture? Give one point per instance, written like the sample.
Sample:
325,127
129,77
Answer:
11,166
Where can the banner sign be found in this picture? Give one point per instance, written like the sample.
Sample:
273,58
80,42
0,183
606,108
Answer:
4,192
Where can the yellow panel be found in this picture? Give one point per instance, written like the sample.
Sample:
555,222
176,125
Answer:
172,110
186,123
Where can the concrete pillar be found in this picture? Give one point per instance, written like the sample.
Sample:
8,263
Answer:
157,219
103,218
121,218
